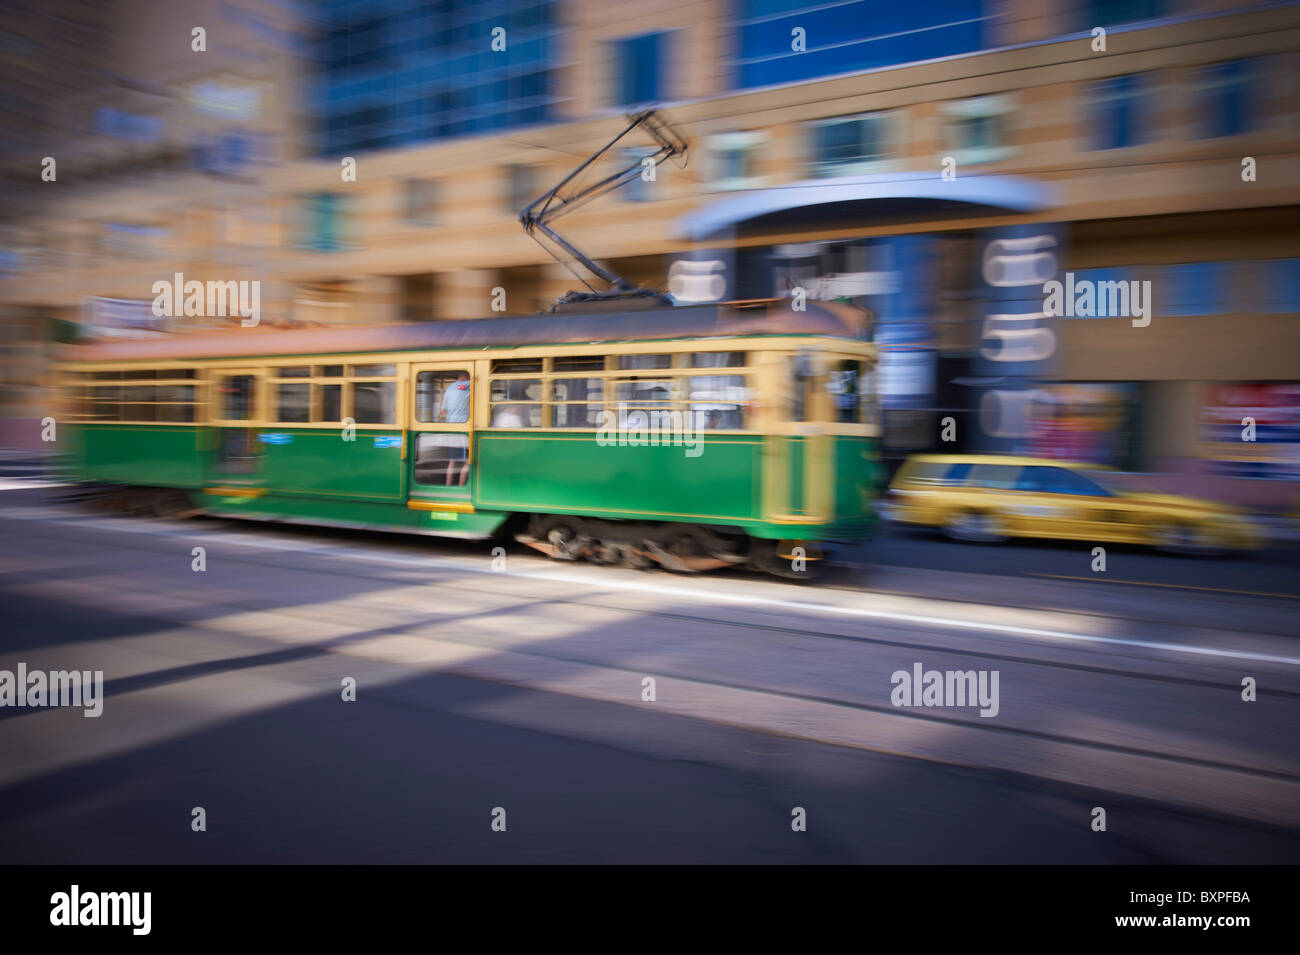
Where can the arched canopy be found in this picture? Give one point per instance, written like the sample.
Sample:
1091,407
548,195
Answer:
855,198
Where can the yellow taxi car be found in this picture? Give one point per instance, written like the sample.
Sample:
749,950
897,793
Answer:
993,497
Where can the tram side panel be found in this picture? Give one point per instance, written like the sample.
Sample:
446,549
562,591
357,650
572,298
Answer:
712,482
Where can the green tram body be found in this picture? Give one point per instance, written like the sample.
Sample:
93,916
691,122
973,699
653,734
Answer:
772,479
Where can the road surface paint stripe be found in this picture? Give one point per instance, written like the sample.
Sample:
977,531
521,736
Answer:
1148,583
267,542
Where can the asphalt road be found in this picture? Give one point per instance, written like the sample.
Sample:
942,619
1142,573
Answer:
522,688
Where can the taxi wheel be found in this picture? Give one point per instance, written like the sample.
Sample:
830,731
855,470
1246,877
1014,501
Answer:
976,526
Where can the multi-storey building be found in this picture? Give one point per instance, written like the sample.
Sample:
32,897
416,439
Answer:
848,149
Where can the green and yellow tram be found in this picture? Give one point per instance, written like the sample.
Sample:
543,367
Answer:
690,437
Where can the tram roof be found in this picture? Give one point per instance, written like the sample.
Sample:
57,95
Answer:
668,323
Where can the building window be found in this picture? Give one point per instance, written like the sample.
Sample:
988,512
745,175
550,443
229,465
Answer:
850,145
1120,112
520,188
638,72
322,222
1225,96
133,240
976,130
421,201
1108,13
733,159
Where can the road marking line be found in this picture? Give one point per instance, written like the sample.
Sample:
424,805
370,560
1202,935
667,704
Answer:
269,542
1146,583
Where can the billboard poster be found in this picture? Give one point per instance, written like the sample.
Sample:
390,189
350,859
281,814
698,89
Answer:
1252,430
1088,423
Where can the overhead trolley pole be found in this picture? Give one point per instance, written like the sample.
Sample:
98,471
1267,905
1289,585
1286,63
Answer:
568,195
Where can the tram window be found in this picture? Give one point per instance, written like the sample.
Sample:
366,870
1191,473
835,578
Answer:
106,403
329,402
516,415
374,371
868,403
374,402
517,366
237,398
717,401
516,389
578,402
293,403
851,391
139,395
329,371
176,414
441,458
579,363
718,359
577,415
644,393
176,403
645,361
138,403
296,371
800,383
578,389
516,402
443,396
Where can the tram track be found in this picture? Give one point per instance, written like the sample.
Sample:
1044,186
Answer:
612,587
499,659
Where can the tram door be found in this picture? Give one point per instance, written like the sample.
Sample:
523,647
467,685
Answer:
797,465
236,458
442,437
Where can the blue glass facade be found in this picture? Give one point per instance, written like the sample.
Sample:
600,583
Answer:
1112,13
848,36
391,73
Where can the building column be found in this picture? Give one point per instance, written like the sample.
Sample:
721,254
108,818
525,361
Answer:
555,281
466,293
376,300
